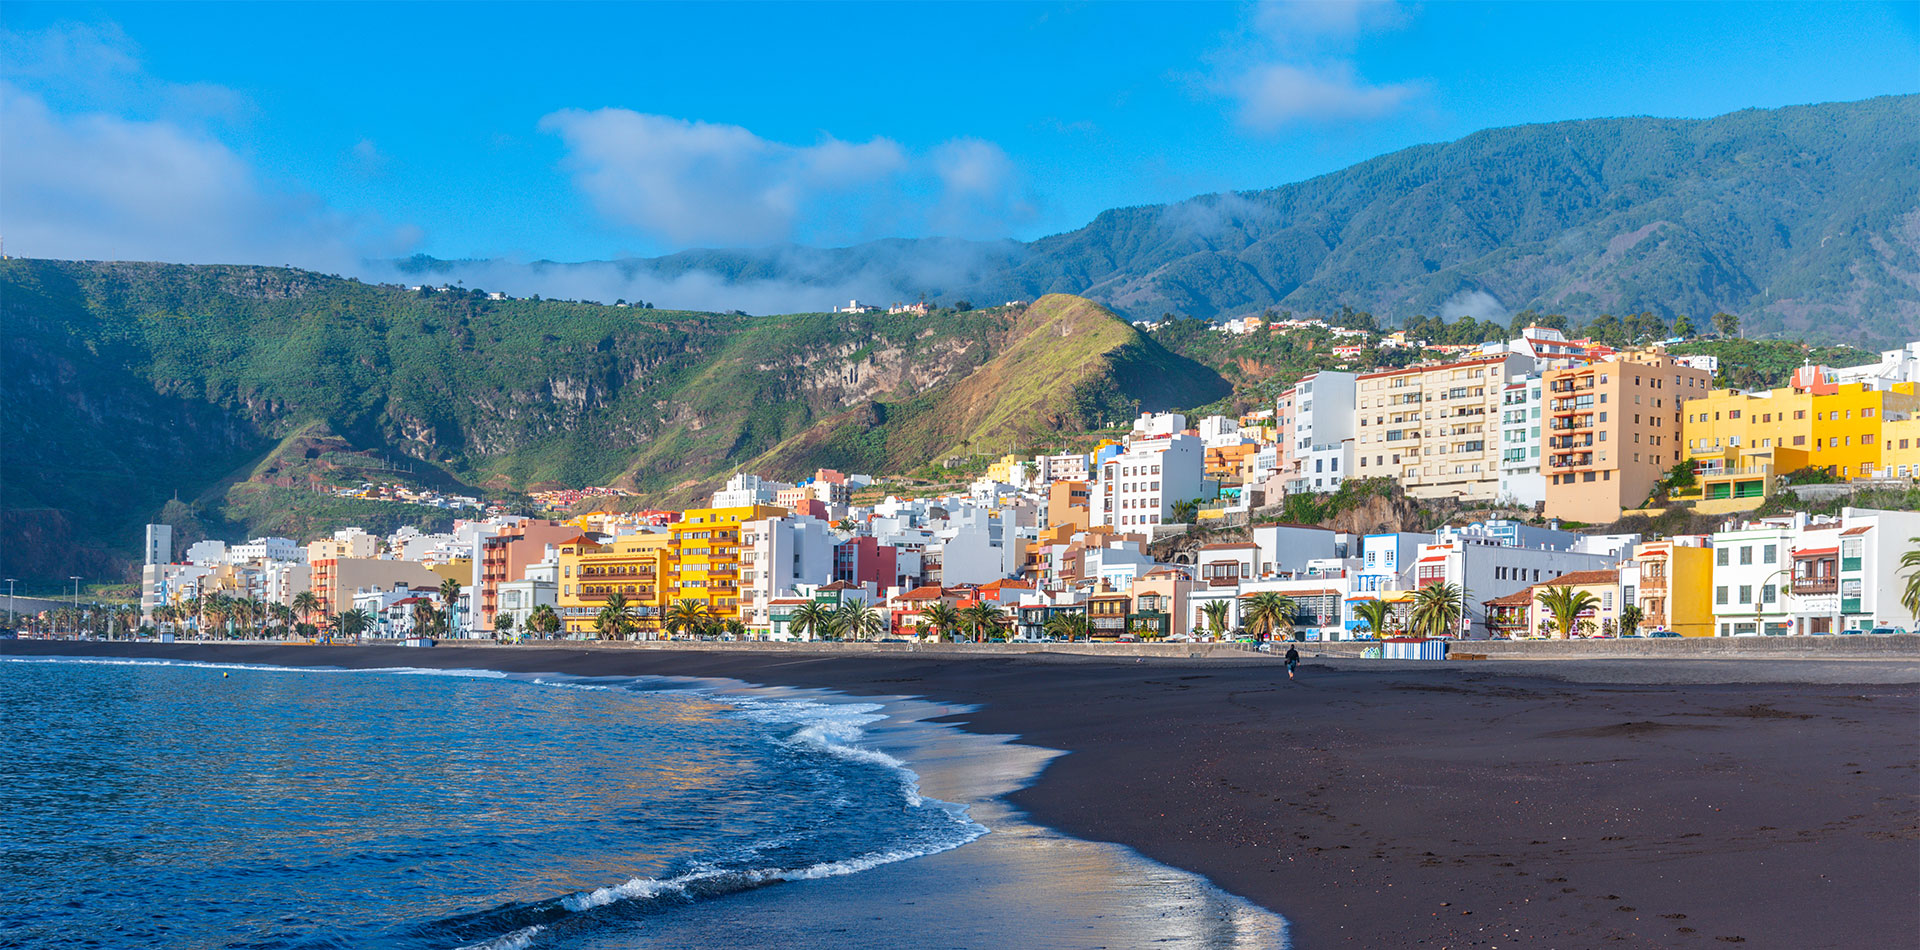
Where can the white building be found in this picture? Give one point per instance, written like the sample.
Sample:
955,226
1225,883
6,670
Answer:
538,586
268,549
1289,549
1323,431
744,491
777,556
1155,424
159,548
1139,486
1521,480
1487,570
1751,570
1056,468
1218,432
208,553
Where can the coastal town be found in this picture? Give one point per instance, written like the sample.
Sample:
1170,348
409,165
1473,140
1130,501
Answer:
1175,529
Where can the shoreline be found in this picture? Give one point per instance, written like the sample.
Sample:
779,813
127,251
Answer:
1447,804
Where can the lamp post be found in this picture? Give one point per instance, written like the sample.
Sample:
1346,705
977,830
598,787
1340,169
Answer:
11,613
1760,603
75,578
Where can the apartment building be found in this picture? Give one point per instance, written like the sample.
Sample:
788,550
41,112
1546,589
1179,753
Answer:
505,557
1521,477
1494,570
1671,581
631,565
336,579
1436,428
1751,570
1323,432
1613,430
778,554
1053,468
1839,425
1139,486
705,564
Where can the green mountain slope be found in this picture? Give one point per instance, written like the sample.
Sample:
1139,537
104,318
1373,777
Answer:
1804,220
244,388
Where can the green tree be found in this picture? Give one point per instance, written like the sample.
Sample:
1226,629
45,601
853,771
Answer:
942,617
1726,324
352,623
1215,612
810,620
1270,615
859,620
543,621
690,616
1186,511
1377,615
1631,616
1068,627
306,604
450,603
1910,566
1438,609
1565,604
1682,327
616,620
503,625
983,619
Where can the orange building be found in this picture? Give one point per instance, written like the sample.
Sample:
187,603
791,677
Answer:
1613,429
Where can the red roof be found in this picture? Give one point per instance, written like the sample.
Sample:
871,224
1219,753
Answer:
1226,546
1850,532
1815,552
929,592
1431,560
1584,578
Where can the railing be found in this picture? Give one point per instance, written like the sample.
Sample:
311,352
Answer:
1816,585
1742,472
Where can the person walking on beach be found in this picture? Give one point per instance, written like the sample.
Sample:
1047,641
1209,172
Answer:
1293,660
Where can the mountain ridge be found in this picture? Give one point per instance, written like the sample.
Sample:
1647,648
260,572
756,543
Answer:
1805,220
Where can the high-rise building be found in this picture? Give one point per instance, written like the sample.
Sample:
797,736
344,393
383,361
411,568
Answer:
706,557
1323,432
1521,479
1140,485
1613,430
159,548
1435,428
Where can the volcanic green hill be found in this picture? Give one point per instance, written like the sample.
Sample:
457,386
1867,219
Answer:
241,390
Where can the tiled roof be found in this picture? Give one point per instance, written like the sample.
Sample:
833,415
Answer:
1584,579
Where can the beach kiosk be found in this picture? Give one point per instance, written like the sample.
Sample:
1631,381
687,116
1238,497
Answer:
1413,648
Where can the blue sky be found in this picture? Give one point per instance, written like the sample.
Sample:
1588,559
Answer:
325,134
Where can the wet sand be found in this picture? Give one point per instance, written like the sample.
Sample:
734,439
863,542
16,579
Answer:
1661,804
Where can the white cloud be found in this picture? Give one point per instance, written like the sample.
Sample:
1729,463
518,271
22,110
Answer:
1295,65
132,168
1477,304
1277,94
687,182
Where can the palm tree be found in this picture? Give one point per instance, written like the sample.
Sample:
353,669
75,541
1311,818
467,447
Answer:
1910,565
1215,612
543,621
734,627
942,617
982,617
1068,626
352,623
1438,608
450,602
1269,612
1631,617
1376,614
810,620
306,604
1566,605
859,620
690,615
616,618
426,620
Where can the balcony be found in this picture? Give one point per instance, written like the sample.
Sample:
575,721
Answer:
1816,585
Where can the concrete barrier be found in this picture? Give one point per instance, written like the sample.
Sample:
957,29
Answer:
1861,646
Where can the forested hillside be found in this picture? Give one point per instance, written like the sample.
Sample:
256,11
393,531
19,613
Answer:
1804,221
127,385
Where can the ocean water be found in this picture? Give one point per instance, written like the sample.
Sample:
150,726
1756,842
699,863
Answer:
172,805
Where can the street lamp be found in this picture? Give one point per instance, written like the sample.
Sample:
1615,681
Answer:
11,613
75,578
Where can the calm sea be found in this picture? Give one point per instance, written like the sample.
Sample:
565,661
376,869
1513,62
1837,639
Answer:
171,805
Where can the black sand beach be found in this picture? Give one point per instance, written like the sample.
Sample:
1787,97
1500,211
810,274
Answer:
1660,804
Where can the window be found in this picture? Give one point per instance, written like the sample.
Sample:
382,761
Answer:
1720,558
1720,594
1746,554
1746,593
1769,553
1768,593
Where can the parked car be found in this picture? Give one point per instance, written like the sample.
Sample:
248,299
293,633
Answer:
1129,638
1663,634
1887,631
1853,630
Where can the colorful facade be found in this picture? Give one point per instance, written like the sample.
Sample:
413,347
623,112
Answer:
705,560
631,566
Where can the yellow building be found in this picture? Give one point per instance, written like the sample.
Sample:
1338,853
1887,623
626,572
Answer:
1900,447
1674,588
454,569
631,565
1838,426
1002,471
705,560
